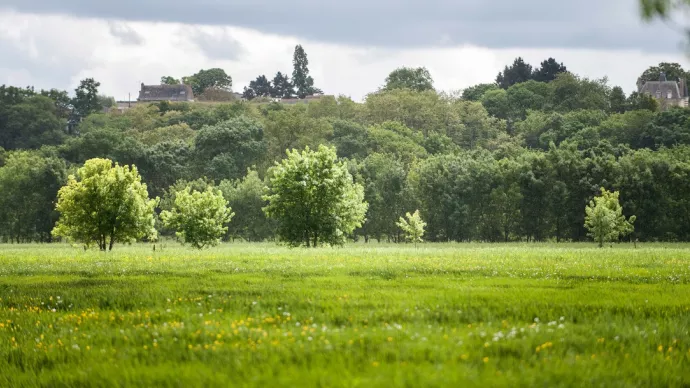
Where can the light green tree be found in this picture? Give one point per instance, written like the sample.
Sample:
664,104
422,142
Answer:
413,227
604,218
198,217
314,199
103,204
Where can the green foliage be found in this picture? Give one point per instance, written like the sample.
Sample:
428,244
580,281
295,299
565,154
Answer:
282,87
168,80
605,220
104,204
227,149
86,100
302,81
245,197
518,72
210,78
672,71
476,92
198,217
29,182
413,227
548,71
313,198
417,79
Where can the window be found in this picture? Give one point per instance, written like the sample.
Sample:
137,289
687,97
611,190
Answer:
669,95
658,94
183,92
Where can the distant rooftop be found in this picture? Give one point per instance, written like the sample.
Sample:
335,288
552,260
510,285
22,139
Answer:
166,93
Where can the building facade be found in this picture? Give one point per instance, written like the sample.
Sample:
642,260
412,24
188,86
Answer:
668,93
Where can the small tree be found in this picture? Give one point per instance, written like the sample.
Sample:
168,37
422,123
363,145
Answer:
104,204
198,217
605,220
313,198
413,227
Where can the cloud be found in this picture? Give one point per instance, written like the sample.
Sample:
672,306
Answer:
216,44
52,51
125,33
500,24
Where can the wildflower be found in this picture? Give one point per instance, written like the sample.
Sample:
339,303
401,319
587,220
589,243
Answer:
375,364
485,359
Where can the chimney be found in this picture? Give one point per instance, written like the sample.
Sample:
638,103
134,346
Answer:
662,77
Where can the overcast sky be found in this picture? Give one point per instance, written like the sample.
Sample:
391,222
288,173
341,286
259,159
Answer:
352,45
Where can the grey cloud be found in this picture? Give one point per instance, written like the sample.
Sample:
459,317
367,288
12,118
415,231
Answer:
214,45
125,33
599,24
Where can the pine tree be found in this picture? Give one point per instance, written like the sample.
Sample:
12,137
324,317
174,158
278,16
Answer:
300,75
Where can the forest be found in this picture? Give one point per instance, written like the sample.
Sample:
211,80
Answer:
516,159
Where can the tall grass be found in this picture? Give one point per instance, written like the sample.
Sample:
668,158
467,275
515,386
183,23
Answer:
362,315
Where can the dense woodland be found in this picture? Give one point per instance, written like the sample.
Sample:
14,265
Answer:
516,159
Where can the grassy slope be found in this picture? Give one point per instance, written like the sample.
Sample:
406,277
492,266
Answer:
260,315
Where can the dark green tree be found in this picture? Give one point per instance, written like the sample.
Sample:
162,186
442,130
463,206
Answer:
476,92
617,100
168,80
210,78
301,79
548,70
261,86
518,72
282,87
86,99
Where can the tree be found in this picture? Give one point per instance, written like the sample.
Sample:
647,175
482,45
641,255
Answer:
248,94
518,72
314,199
300,75
476,92
261,86
672,71
86,100
168,80
212,78
617,100
105,204
604,218
418,79
245,198
413,227
282,87
29,182
548,71
642,101
227,149
198,217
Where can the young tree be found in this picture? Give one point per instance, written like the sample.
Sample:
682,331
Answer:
300,75
314,199
604,218
104,204
413,227
418,79
198,217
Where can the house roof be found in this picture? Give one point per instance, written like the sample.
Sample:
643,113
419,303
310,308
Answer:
662,89
166,93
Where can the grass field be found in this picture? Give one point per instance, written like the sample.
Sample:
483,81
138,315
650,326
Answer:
376,315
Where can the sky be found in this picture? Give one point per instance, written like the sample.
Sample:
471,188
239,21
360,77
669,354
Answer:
351,46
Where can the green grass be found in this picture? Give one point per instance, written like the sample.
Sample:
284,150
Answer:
363,315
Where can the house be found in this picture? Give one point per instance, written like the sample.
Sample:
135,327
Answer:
668,93
156,93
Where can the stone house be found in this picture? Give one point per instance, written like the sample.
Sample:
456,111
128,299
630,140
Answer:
156,93
667,92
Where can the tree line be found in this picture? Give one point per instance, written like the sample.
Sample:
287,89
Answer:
502,161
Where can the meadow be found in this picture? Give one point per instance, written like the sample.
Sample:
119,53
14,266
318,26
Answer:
357,316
